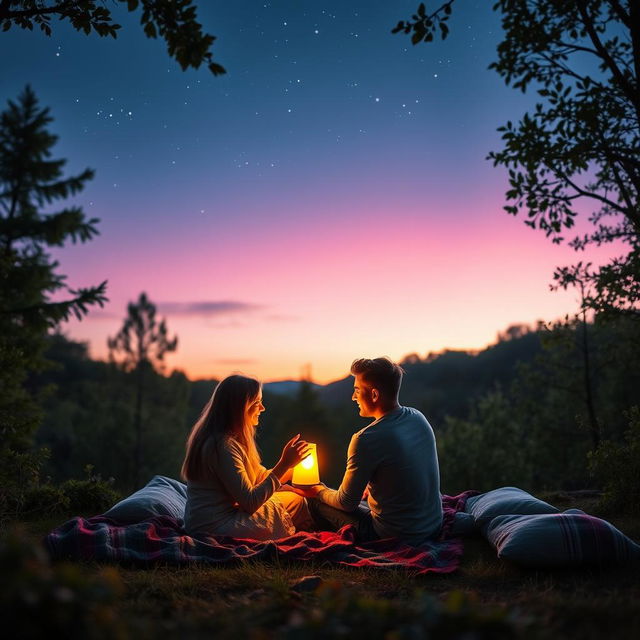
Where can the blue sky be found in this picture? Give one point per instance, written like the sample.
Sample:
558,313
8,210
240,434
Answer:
328,198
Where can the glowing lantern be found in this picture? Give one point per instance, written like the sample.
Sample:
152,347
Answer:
306,472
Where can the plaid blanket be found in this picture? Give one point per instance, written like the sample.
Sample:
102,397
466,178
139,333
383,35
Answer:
162,540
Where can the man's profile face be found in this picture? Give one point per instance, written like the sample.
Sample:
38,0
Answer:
363,397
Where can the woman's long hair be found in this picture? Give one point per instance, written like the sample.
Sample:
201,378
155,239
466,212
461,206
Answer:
223,416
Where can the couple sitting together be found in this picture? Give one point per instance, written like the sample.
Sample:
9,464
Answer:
391,485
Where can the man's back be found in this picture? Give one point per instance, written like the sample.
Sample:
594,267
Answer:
399,450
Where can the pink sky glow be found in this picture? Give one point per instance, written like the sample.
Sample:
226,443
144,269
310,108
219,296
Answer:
324,291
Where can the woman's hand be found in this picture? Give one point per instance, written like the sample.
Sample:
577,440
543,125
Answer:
294,451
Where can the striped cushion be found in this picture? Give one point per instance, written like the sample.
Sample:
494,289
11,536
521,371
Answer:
504,501
161,496
567,539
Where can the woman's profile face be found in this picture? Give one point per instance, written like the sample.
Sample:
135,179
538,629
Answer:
254,409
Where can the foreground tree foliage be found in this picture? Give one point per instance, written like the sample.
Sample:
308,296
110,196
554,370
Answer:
173,20
30,183
580,146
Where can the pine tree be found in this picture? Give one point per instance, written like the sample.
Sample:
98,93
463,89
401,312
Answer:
30,181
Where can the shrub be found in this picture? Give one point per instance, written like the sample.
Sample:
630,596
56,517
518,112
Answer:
19,475
42,500
617,468
90,496
23,494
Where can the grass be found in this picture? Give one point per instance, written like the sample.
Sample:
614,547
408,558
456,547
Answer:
485,598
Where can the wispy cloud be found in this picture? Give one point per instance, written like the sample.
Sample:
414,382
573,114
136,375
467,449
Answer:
208,308
282,317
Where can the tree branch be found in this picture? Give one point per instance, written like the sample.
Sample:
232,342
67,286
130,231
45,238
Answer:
442,8
629,212
622,14
588,194
7,14
604,55
10,215
4,8
550,58
575,47
634,28
424,25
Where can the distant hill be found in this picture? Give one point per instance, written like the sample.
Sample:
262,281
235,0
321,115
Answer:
445,383
287,387
439,385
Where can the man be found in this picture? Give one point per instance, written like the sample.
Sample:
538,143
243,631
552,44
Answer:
392,463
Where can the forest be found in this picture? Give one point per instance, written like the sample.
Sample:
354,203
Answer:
544,408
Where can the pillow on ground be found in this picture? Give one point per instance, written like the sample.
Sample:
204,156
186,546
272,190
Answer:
505,501
567,539
161,496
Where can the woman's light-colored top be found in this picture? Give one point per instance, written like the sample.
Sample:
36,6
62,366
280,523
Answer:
234,499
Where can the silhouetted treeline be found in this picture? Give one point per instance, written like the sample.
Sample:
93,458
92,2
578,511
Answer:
89,417
525,411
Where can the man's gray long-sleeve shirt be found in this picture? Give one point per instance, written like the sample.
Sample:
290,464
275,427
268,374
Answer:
396,457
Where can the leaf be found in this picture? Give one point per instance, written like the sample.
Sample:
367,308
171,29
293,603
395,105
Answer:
150,30
217,69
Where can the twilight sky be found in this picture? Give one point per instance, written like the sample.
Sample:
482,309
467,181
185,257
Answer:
327,199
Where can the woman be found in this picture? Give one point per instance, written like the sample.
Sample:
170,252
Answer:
229,492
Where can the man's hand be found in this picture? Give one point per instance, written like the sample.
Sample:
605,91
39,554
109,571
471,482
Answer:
310,491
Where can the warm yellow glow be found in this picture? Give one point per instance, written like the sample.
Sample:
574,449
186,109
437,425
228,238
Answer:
306,472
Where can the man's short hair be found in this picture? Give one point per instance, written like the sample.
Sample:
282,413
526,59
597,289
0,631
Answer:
381,373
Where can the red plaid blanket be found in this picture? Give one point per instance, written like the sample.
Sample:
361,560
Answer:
162,540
